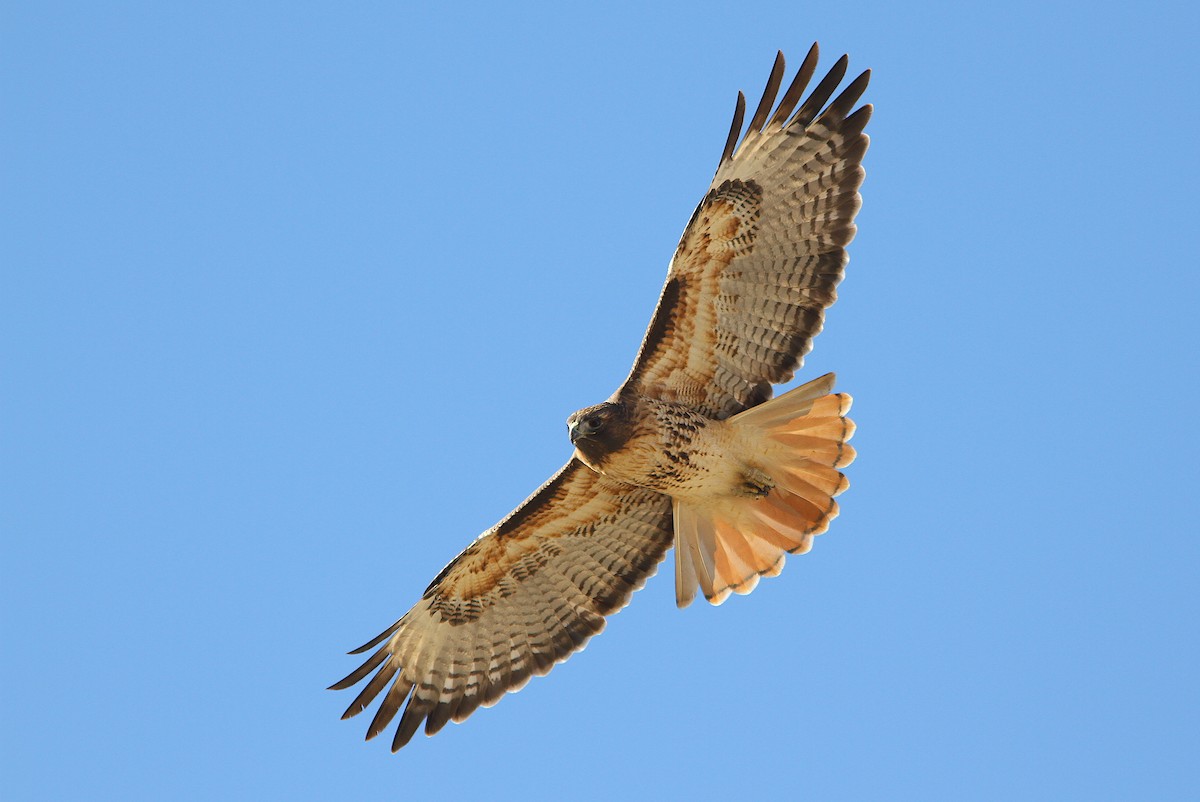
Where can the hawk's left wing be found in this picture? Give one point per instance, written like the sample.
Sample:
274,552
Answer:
524,596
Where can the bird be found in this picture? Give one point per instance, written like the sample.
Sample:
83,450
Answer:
692,451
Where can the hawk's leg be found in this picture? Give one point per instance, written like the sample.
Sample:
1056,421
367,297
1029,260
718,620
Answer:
756,483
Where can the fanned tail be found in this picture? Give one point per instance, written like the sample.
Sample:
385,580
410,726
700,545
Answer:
799,441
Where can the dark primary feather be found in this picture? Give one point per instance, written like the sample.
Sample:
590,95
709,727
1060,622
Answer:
768,96
735,129
792,96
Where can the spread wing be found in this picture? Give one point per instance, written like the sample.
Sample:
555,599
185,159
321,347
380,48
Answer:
524,596
761,258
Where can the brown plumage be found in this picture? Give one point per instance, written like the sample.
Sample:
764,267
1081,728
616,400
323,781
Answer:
690,450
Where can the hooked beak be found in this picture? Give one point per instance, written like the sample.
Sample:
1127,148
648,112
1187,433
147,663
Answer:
574,432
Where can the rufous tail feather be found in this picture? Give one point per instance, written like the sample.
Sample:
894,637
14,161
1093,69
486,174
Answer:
799,441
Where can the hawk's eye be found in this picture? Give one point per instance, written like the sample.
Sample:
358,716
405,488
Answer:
591,424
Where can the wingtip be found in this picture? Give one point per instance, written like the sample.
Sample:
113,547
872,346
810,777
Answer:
343,683
735,129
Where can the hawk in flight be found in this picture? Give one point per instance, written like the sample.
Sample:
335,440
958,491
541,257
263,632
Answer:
690,451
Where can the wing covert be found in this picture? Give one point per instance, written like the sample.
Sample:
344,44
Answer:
524,596
762,255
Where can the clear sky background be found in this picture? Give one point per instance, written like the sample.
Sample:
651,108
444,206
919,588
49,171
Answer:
297,297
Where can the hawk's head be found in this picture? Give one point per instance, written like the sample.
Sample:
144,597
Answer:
598,431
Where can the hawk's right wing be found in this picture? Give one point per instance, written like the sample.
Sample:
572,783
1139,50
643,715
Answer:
763,254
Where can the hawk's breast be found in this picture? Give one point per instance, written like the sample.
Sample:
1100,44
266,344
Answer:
675,450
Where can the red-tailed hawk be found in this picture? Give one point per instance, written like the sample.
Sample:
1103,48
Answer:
690,450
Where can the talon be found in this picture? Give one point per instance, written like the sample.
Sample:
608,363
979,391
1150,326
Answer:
757,483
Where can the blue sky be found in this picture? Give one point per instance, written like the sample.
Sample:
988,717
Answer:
296,299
